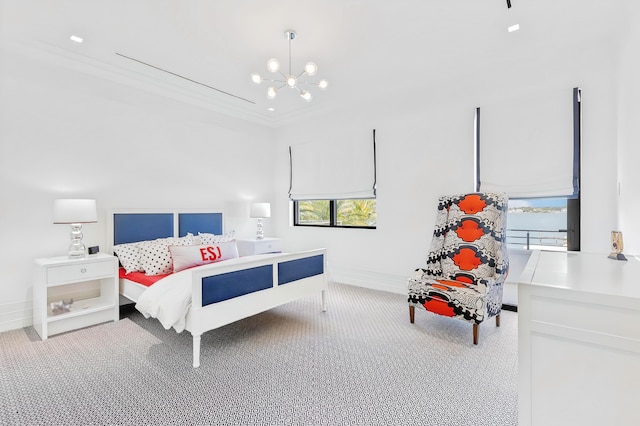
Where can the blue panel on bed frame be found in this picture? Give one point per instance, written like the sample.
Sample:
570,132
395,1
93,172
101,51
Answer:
210,223
134,227
233,284
293,270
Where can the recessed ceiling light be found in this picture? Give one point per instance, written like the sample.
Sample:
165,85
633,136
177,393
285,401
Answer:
271,109
513,28
76,39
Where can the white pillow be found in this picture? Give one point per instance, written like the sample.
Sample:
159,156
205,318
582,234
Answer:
129,256
214,239
188,256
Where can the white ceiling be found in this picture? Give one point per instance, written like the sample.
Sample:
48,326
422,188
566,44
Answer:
367,49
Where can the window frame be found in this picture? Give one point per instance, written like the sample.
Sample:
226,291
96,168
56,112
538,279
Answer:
333,216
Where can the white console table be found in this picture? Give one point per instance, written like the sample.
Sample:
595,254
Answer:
579,340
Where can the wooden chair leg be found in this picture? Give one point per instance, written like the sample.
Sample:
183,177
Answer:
498,320
475,333
412,313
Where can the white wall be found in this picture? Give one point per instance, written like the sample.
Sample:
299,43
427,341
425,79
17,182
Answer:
425,149
65,133
628,141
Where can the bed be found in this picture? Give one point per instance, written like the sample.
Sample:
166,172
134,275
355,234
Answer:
226,291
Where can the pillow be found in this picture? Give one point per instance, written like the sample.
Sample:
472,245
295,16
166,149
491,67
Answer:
155,258
214,239
188,256
129,256
187,240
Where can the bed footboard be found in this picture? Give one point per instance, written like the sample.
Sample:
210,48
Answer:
228,293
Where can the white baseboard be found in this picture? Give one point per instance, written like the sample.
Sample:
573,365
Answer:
398,284
16,315
370,279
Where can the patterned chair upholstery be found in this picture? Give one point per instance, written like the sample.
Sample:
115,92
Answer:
468,260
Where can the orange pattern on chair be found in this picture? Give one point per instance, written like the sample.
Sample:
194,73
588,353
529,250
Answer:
469,230
466,259
472,204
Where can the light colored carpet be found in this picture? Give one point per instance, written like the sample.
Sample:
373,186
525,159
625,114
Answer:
359,363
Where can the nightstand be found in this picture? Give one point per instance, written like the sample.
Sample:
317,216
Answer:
254,246
56,278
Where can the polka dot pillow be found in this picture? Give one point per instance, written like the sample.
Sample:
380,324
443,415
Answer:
129,256
214,239
155,257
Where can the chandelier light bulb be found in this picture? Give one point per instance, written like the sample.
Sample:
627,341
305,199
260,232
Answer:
311,68
305,95
291,81
273,65
256,78
323,84
271,92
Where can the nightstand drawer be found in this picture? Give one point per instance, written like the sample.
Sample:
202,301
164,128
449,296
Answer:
80,272
266,245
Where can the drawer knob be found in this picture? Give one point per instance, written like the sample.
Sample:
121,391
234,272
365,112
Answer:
83,270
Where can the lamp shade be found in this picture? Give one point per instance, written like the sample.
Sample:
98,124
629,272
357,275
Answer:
74,211
260,210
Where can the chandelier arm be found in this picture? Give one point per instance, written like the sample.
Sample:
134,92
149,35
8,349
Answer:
308,83
290,38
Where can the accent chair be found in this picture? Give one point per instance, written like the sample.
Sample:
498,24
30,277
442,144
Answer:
468,261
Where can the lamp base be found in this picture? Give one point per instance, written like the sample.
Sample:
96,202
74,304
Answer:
77,250
260,233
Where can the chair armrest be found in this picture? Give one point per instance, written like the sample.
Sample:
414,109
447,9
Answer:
489,283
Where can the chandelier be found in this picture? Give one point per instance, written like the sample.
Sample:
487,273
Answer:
293,81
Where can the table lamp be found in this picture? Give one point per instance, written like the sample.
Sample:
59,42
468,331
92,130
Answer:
260,211
75,212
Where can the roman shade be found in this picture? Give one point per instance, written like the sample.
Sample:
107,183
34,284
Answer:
527,146
333,171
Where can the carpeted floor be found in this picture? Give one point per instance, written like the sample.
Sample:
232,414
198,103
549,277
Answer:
359,363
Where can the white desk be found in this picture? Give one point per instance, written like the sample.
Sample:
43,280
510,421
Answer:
579,340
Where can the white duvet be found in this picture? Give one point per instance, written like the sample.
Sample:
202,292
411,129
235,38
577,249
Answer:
168,300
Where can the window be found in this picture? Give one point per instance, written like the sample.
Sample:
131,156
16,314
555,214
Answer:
531,150
334,184
535,223
351,213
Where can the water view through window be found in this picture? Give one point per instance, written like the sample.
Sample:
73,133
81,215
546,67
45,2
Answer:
537,223
337,213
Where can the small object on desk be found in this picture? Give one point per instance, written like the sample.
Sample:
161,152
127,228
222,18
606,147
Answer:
617,245
61,307
94,249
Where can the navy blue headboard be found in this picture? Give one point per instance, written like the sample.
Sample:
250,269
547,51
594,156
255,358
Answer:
133,227
210,223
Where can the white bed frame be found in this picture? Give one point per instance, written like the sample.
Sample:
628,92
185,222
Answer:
201,319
